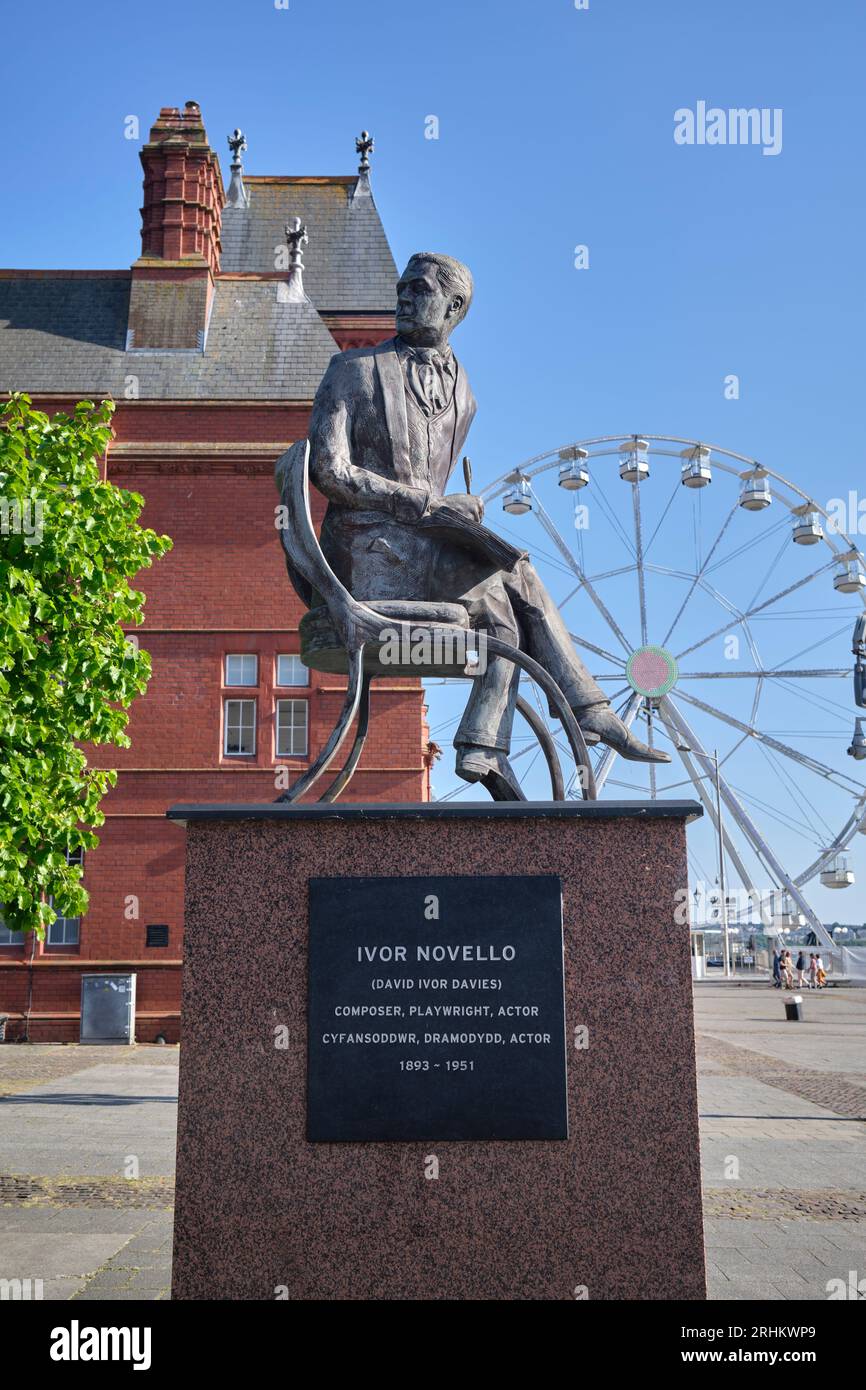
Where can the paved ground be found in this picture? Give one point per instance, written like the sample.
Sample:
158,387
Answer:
87,1154
86,1163
783,1140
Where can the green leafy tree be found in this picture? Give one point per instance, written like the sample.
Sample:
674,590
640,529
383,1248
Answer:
69,544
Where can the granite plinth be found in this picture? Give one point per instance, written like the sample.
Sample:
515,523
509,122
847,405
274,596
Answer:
612,1212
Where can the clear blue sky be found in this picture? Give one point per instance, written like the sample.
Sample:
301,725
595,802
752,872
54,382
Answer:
556,128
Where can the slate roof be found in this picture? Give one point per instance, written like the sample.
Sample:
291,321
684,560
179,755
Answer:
64,333
348,263
68,335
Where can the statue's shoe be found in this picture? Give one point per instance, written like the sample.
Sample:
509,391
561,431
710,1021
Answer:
601,721
492,769
589,737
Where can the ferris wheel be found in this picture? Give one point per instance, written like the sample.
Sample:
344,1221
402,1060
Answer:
720,606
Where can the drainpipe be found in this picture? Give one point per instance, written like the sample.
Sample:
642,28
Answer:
29,1009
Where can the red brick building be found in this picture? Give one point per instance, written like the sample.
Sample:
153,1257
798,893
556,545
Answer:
213,358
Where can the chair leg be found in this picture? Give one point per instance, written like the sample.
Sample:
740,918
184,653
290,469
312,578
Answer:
334,743
573,733
548,747
342,780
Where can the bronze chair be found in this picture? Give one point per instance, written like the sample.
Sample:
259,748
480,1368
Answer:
341,635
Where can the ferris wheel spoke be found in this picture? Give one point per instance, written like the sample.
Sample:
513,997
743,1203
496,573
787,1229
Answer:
534,550
651,742
569,596
759,608
701,786
777,559
818,702
759,845
599,651
759,540
523,752
812,764
550,527
840,842
780,672
831,637
609,756
791,790
662,518
725,524
526,771
611,515
800,828
638,552
611,574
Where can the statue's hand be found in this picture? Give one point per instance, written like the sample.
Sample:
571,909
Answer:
465,502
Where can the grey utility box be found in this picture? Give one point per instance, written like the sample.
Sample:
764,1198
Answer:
107,1009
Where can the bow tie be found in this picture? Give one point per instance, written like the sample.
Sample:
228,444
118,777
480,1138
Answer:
433,358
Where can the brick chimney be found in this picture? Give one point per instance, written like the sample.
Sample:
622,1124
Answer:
172,282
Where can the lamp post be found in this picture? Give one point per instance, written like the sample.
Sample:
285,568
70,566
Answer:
722,885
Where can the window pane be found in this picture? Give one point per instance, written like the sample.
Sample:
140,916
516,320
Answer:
292,671
7,936
291,728
240,726
242,669
63,931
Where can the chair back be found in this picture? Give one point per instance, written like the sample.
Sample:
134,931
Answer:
308,569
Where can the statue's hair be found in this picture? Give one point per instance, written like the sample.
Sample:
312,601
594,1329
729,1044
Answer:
453,276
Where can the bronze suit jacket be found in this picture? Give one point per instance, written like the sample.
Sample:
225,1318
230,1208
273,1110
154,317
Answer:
361,459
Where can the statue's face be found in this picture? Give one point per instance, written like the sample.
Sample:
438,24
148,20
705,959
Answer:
424,311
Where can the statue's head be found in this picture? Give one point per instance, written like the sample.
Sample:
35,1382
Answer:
433,295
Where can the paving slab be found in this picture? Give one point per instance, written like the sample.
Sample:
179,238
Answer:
107,1119
44,1255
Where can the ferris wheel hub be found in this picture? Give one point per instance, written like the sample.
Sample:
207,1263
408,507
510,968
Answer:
652,672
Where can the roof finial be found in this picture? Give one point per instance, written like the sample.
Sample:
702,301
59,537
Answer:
237,196
296,238
364,147
362,192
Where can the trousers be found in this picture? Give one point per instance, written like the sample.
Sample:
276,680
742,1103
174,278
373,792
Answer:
515,606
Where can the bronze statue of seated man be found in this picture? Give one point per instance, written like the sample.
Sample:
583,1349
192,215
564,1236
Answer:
388,425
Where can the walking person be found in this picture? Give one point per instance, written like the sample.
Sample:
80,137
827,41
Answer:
788,970
820,975
777,968
813,970
801,969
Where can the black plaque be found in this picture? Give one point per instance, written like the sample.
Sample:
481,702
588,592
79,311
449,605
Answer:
426,1026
